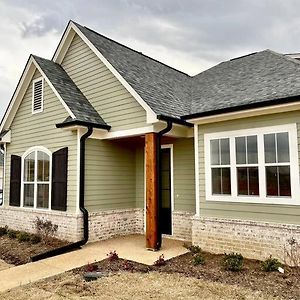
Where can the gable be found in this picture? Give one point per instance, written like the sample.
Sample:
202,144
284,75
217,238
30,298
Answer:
104,91
25,121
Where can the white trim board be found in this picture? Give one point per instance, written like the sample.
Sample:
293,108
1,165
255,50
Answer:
62,49
262,198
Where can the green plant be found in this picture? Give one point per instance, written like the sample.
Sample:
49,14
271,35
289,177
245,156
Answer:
12,234
271,264
23,236
194,249
160,261
233,262
198,259
3,230
45,228
112,255
35,239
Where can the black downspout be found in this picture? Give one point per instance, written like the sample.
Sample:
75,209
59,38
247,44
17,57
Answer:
159,178
81,186
76,245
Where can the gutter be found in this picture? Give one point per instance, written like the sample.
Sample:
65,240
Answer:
159,177
174,120
76,245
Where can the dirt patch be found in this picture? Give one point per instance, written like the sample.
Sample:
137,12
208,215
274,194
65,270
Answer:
4,265
275,284
17,253
128,286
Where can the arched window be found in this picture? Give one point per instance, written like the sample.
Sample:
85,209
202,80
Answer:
36,178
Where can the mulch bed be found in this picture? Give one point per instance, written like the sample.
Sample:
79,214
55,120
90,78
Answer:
17,253
285,286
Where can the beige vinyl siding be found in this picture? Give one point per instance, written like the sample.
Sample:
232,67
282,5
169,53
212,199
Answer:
110,176
184,175
29,130
108,96
260,212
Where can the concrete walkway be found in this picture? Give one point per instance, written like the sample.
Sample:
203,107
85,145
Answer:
128,247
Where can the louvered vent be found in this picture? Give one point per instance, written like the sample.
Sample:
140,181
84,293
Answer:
37,99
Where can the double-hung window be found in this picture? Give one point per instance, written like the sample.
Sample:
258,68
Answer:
254,165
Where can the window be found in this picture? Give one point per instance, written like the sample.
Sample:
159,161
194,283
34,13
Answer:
220,164
254,165
36,179
37,95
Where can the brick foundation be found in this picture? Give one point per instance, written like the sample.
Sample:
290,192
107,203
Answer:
257,240
69,225
182,225
102,225
107,224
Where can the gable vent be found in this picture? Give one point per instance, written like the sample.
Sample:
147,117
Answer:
37,97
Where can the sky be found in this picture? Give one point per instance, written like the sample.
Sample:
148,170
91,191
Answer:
190,35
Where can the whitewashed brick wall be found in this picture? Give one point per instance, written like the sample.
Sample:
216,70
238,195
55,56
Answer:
182,225
257,240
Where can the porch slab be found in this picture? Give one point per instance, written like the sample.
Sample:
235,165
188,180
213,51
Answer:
131,247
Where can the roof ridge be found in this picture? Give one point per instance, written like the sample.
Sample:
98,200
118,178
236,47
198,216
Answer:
138,52
291,59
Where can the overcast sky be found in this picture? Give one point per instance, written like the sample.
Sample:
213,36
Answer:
191,35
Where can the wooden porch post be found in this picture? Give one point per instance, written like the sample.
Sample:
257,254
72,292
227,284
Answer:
152,239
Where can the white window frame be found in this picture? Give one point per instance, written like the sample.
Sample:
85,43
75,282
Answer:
42,101
294,199
35,182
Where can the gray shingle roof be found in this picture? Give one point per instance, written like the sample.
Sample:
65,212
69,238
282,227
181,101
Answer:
258,78
70,93
163,88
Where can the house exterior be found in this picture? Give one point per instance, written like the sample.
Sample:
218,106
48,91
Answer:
104,141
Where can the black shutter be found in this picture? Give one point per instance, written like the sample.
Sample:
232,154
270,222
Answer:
15,181
59,179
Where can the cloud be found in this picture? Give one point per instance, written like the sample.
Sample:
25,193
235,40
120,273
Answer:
191,35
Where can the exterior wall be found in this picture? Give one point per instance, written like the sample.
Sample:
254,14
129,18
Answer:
257,240
69,224
182,225
108,96
110,176
110,223
276,213
28,130
184,175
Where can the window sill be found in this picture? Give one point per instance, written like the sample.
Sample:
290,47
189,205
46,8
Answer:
254,200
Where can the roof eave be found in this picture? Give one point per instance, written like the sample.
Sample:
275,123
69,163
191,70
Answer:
225,110
174,120
82,123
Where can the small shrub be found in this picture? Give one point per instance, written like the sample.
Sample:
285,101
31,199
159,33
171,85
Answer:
292,252
233,262
35,239
270,264
198,259
3,230
45,228
23,236
112,256
91,268
160,261
12,234
194,249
